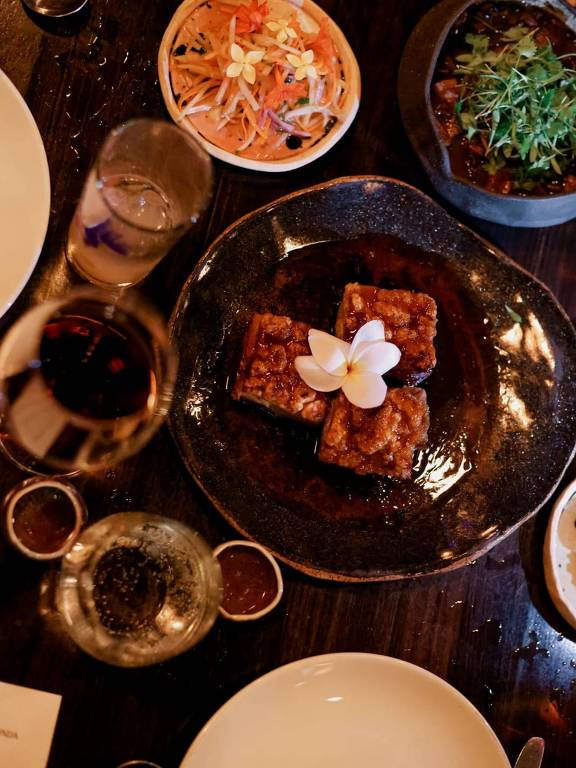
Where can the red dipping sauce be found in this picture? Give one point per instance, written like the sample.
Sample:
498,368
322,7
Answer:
249,580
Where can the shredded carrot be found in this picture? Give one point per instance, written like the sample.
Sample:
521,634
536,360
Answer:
323,45
284,93
251,17
241,65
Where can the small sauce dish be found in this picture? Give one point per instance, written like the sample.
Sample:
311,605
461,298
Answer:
43,517
252,580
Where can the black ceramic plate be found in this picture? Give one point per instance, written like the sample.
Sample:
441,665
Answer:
502,397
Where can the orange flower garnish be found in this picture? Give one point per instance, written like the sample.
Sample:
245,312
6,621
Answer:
251,17
284,92
323,45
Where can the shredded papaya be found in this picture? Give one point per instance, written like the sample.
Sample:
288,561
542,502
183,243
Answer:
254,75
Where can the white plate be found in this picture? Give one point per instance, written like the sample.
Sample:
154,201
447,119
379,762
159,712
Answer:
560,554
24,193
344,710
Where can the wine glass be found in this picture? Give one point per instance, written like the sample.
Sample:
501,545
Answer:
85,380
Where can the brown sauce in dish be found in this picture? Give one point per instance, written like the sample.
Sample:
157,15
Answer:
491,19
249,580
43,520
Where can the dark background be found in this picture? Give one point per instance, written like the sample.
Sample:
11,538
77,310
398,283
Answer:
488,629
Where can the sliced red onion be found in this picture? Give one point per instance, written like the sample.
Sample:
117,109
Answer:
287,127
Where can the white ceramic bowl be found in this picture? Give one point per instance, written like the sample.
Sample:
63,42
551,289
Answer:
349,63
560,554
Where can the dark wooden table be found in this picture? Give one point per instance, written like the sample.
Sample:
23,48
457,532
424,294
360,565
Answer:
489,629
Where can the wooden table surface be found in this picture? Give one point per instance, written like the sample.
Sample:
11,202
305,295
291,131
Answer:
488,629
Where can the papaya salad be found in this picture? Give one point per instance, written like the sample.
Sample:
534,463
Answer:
259,79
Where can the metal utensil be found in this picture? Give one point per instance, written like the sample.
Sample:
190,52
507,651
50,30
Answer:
531,754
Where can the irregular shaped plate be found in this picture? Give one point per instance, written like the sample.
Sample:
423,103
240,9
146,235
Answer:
502,397
345,709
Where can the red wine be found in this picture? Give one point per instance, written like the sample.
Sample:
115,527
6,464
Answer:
78,384
93,368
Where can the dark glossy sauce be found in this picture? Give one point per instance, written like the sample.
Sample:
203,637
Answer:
279,456
491,20
43,520
249,580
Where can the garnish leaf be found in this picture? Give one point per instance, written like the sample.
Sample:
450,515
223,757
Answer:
519,102
514,315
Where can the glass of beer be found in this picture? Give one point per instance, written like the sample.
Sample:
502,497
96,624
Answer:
85,380
148,186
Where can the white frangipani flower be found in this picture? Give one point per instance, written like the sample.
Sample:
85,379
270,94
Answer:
357,368
243,63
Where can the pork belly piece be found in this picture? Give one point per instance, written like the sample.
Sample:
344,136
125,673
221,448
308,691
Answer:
378,441
409,322
267,375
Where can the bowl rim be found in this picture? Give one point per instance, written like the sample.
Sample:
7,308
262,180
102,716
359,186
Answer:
566,609
271,166
33,484
449,11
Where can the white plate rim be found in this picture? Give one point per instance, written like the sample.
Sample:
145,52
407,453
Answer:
377,659
43,183
551,576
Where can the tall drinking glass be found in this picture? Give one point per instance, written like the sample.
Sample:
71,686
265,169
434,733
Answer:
149,184
85,380
137,589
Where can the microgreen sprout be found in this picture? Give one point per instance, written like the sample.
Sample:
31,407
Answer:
518,100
